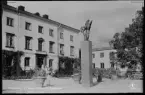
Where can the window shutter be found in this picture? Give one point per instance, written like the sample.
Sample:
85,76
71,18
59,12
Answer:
7,21
38,44
25,43
26,25
43,48
12,22
7,40
31,44
13,38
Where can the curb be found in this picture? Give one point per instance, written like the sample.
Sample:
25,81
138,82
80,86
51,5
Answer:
23,79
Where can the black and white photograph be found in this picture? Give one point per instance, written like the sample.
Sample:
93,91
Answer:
72,46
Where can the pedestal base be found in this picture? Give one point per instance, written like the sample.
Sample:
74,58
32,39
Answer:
86,63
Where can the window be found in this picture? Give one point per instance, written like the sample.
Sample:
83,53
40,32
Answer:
61,35
101,55
10,40
112,65
71,38
102,65
51,44
28,26
50,62
79,53
27,59
61,49
72,50
40,29
28,43
51,32
93,65
93,55
40,44
10,21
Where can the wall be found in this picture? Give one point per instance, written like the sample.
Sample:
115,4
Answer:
21,32
106,59
31,62
9,29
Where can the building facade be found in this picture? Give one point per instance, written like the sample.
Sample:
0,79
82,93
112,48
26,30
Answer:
41,39
102,57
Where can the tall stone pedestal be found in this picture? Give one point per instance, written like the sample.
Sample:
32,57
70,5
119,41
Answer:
86,63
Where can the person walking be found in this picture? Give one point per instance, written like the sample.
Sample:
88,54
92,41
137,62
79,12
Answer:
48,77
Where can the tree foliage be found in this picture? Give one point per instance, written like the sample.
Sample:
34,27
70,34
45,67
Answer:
129,44
67,65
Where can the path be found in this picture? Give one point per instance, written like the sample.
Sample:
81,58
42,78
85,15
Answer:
69,86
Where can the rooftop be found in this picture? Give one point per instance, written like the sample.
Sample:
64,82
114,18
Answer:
8,7
102,49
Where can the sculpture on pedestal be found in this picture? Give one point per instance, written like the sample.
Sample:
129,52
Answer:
86,56
86,29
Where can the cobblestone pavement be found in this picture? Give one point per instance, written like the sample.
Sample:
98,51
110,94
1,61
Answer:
70,86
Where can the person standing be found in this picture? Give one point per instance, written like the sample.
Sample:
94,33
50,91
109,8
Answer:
80,76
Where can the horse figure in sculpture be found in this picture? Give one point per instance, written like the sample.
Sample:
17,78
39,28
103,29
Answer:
86,29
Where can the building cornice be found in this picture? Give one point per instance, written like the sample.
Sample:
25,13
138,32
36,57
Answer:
10,8
102,49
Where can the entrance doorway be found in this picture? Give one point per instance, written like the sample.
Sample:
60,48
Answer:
40,60
50,63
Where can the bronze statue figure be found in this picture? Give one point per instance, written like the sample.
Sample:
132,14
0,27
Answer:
86,29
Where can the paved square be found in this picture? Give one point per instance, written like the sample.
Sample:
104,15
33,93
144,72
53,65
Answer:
69,86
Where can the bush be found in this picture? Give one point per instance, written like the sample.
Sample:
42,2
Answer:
106,73
23,75
39,72
55,73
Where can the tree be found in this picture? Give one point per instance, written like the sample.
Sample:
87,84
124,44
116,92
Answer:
129,44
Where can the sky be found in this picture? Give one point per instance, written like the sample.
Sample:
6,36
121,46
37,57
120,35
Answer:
109,17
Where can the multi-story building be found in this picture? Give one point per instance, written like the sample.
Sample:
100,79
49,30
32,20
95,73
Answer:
102,57
41,39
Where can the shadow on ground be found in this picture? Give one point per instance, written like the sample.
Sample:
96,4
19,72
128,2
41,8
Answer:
63,77
49,85
97,82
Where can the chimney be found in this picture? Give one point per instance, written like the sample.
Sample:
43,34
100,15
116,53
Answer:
45,16
37,13
22,8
